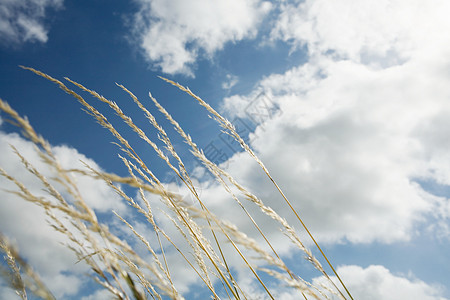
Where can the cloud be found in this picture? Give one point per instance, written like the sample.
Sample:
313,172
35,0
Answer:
347,169
42,247
173,34
101,294
353,135
377,282
23,21
26,223
379,33
231,80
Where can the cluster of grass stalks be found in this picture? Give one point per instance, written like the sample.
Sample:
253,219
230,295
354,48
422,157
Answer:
115,265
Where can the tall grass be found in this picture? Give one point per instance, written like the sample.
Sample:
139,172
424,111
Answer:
208,243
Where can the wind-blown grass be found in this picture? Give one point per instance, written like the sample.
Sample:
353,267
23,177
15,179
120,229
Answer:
115,265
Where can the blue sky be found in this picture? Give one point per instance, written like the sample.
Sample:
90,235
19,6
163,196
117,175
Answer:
357,136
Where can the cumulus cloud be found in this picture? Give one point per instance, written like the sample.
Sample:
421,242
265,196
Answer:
26,223
355,133
377,282
172,34
371,32
22,21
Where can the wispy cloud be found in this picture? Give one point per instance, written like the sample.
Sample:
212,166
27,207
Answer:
22,21
231,80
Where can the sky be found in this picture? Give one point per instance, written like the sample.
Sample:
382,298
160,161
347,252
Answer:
354,129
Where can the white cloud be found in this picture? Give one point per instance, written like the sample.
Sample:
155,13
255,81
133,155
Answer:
343,152
372,32
354,134
231,80
101,294
377,282
22,20
26,223
174,33
97,195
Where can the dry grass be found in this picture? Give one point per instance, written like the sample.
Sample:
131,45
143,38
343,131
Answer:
114,264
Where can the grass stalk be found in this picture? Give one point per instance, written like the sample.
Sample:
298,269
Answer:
232,132
114,264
